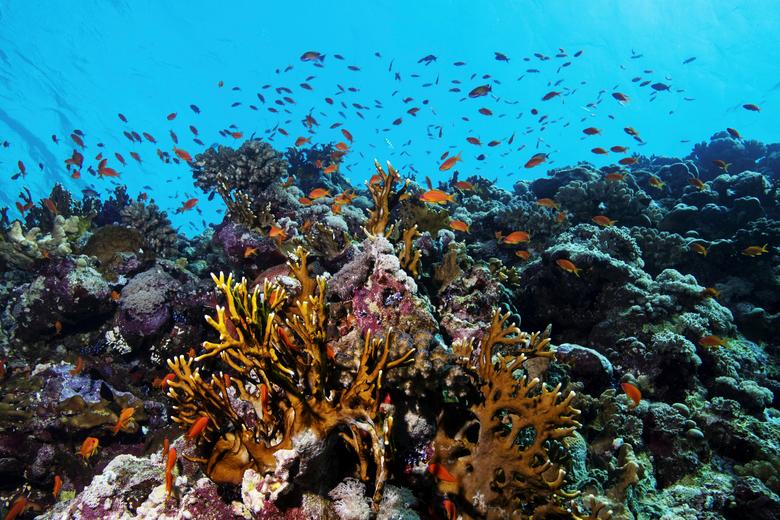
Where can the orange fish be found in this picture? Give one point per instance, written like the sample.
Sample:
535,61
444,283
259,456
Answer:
249,251
615,177
305,201
169,471
632,392
437,197
197,427
342,146
89,447
165,380
188,205
346,134
710,292
459,225
522,254
318,193
79,366
515,237
603,220
182,154
560,218
239,135
699,248
697,183
464,186
17,508
50,206
721,164
331,168
548,203
568,266
628,161
712,341
536,160
655,182
449,162
302,141
440,472
289,182
115,295
753,251
124,416
450,509
277,232
57,486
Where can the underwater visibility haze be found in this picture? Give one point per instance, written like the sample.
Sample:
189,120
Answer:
394,260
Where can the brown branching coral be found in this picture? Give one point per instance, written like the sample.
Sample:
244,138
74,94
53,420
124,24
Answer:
499,455
381,189
410,257
240,209
277,382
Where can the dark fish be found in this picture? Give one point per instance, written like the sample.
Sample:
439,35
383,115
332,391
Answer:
659,86
501,57
427,59
689,60
195,109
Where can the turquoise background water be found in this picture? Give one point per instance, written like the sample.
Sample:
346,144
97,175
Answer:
75,65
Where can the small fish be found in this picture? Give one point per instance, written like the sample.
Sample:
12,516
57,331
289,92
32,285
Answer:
437,197
697,183
440,472
18,507
278,233
603,220
318,193
57,486
459,225
548,203
712,341
619,149
450,509
522,254
124,416
302,141
632,392
464,186
599,151
752,107
628,161
550,95
591,130
170,463
312,56
622,98
699,248
330,168
89,447
710,292
754,251
197,427
515,237
480,91
187,205
733,133
239,135
615,177
473,140
721,164
655,182
568,266
449,162
536,160
182,154
346,134
171,116
78,367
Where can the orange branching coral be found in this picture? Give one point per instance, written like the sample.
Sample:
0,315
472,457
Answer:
277,381
410,257
381,188
498,455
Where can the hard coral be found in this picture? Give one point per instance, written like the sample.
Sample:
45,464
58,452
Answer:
498,455
381,190
279,383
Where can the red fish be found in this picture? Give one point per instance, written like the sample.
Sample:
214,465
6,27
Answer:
346,134
182,154
440,472
449,163
536,160
479,91
171,116
632,392
197,427
171,462
188,205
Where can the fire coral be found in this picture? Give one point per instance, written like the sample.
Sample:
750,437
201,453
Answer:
277,381
498,454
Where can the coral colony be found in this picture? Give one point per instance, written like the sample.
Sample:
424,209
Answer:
361,357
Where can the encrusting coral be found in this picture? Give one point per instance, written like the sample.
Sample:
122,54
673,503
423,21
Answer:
496,459
279,382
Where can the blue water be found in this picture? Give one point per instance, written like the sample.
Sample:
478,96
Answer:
75,65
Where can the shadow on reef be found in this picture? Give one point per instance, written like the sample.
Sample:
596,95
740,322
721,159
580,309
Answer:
365,357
